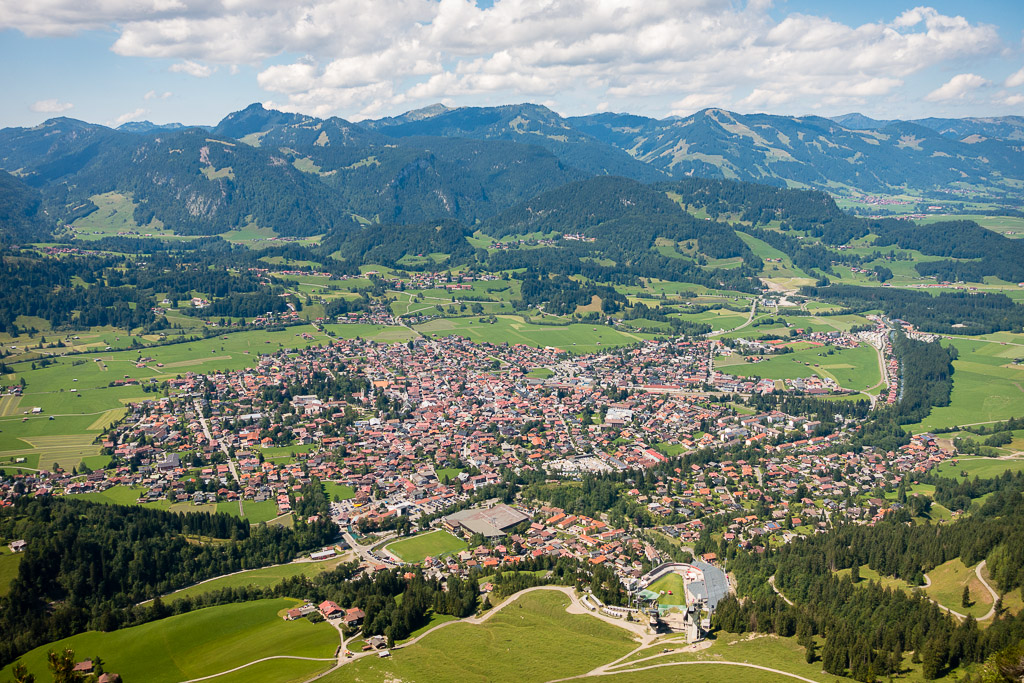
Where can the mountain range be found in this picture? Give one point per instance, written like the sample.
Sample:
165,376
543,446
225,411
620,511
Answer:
302,175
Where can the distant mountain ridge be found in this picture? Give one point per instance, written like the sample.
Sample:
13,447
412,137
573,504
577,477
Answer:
303,175
998,127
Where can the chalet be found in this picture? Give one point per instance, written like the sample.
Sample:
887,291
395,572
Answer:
330,609
353,617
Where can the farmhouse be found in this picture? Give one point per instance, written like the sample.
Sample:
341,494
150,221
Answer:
353,617
330,609
490,522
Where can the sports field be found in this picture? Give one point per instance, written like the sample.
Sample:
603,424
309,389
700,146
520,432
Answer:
342,491
433,544
201,643
671,588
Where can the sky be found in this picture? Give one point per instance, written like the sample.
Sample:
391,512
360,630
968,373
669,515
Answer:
194,61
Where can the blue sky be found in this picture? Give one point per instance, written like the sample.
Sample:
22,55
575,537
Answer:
194,61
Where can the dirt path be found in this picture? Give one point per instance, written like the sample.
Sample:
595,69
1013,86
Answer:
700,663
771,582
574,608
257,661
995,596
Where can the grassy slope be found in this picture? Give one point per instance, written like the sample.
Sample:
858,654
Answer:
199,644
268,576
8,569
979,467
532,640
948,581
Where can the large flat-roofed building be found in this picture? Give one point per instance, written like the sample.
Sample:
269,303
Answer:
489,522
710,588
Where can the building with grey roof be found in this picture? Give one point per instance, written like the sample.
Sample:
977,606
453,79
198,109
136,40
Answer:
490,522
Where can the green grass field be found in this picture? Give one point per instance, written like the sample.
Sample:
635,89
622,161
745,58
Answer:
8,568
200,643
979,467
378,333
267,576
342,491
948,581
116,495
255,513
531,640
80,415
1010,226
670,583
855,368
451,472
987,386
432,544
115,214
575,338
868,574
771,651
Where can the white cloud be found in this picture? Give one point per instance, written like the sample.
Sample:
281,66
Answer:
53,106
697,101
363,56
956,88
192,69
1015,79
134,115
154,95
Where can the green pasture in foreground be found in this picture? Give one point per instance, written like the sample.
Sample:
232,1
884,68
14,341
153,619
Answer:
199,643
431,544
534,639
574,338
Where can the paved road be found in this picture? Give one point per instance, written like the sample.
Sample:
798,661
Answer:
750,319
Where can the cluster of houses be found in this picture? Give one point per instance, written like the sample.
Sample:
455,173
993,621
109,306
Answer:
414,429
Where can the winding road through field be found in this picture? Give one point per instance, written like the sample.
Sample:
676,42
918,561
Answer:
620,665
